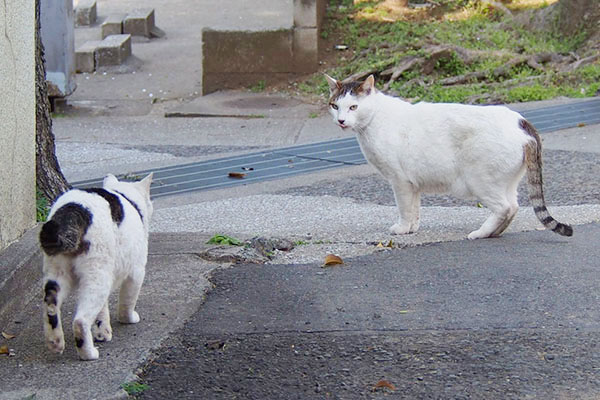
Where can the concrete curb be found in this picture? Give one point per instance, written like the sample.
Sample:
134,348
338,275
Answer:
20,271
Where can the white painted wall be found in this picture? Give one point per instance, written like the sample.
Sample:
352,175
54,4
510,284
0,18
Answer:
17,119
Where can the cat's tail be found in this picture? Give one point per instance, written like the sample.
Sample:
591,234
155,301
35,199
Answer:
533,161
63,234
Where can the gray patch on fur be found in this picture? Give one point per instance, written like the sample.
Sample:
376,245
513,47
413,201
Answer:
133,204
116,208
352,88
64,232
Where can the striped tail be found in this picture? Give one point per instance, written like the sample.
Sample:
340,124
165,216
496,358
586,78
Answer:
63,234
533,160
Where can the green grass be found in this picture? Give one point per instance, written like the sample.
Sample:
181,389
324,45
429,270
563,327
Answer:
133,388
224,240
42,207
376,45
259,86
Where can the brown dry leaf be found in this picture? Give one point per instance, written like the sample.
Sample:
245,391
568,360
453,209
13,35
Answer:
8,336
379,245
581,124
4,350
383,384
332,259
390,244
237,175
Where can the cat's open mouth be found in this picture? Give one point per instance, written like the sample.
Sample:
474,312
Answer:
343,126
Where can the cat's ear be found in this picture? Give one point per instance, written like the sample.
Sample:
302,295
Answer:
368,86
108,179
333,84
147,181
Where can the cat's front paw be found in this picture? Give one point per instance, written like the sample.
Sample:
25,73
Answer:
131,317
102,331
56,344
88,354
400,229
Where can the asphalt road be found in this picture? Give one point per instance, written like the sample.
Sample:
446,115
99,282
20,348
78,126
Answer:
513,317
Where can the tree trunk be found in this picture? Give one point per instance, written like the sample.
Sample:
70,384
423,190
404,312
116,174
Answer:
575,15
50,179
569,17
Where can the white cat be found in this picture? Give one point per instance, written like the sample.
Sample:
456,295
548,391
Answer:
479,152
94,240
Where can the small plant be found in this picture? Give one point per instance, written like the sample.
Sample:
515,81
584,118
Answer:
133,388
259,87
42,206
224,240
313,115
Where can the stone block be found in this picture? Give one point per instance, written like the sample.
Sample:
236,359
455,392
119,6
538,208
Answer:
85,56
305,13
306,51
85,13
113,50
139,22
113,25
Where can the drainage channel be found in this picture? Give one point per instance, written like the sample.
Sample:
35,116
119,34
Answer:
290,161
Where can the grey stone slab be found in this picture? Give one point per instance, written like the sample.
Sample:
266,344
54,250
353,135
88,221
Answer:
85,56
113,50
85,13
139,22
113,25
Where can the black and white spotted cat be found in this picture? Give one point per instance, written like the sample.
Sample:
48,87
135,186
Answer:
95,240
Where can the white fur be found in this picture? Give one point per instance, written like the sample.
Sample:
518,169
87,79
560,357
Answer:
467,151
116,258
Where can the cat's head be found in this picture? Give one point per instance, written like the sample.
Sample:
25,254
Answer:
138,192
348,101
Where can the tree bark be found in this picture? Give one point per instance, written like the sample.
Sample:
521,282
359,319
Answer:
575,15
49,177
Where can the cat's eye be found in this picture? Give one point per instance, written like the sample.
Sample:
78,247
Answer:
353,107
334,106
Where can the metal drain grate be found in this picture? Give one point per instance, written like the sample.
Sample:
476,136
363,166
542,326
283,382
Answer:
289,161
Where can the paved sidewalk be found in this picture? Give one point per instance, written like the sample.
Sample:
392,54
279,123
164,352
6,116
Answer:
115,127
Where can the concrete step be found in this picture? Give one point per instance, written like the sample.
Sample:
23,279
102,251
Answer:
86,13
113,25
112,50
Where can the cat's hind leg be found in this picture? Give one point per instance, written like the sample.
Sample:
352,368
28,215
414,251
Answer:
409,202
512,198
503,212
55,290
128,295
94,289
101,329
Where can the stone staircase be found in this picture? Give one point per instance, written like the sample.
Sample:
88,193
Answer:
109,36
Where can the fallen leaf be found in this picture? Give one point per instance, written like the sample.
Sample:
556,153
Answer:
4,350
8,336
332,259
383,384
390,244
581,124
380,245
237,175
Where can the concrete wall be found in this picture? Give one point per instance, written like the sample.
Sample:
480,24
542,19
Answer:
17,119
58,37
233,59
